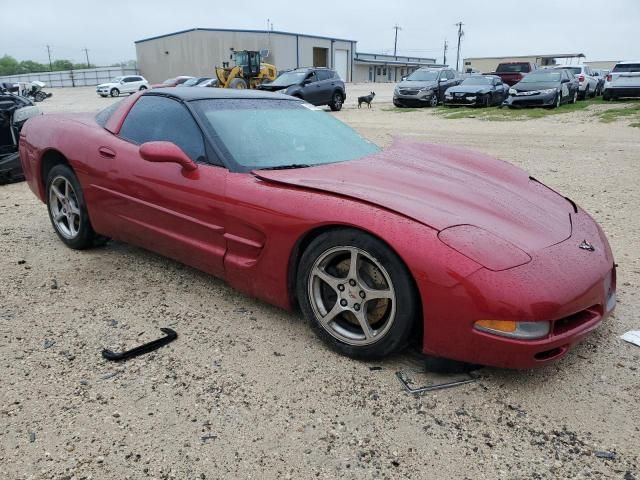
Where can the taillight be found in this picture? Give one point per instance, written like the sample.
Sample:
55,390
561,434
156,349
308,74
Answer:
581,78
609,77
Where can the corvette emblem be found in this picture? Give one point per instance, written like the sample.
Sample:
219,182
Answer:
587,246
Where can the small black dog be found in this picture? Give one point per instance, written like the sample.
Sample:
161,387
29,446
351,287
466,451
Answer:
367,99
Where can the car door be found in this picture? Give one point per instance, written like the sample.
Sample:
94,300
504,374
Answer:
160,206
129,84
500,93
311,89
326,88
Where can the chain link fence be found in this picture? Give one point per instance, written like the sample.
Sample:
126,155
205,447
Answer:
72,78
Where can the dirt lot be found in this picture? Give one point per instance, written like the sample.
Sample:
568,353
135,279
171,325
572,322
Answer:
247,391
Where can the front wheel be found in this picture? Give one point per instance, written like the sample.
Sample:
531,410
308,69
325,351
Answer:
238,83
574,97
558,100
68,210
433,101
114,92
336,102
357,294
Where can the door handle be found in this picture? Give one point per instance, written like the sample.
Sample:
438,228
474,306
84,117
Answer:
106,152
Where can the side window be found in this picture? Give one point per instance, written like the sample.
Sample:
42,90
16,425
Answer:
324,74
449,75
128,79
312,77
155,118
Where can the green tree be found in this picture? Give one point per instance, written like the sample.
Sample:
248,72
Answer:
62,65
8,65
29,66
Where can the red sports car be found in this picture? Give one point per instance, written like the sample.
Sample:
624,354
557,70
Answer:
464,254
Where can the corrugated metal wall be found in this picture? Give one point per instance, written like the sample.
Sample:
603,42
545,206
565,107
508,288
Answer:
72,78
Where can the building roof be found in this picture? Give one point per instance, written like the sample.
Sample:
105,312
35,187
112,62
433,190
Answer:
277,32
546,55
385,59
205,93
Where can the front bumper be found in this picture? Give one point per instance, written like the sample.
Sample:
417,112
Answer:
418,99
572,288
537,100
103,91
467,99
10,168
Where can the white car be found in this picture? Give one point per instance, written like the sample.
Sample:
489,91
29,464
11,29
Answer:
126,84
623,81
587,83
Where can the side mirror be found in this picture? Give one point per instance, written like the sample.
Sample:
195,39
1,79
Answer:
307,81
166,152
404,78
565,80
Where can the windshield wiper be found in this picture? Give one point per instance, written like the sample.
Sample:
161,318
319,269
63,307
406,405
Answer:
287,167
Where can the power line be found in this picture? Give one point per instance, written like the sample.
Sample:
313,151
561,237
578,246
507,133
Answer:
86,52
444,55
50,63
460,34
395,44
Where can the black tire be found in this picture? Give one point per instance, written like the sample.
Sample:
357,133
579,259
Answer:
585,95
86,237
114,92
574,97
433,101
397,104
606,97
557,101
40,96
336,102
142,87
238,83
395,334
487,101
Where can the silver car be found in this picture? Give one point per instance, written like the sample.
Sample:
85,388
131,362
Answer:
425,87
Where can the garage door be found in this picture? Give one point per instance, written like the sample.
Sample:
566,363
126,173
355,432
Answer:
342,63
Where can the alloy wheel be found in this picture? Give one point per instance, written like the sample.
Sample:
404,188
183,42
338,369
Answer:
64,206
352,295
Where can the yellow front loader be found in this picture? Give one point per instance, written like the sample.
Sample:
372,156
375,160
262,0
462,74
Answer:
249,71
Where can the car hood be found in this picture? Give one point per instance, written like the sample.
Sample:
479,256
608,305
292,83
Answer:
416,85
529,87
105,85
469,89
441,186
274,88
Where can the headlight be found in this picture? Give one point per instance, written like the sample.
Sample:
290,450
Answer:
426,89
396,90
483,247
549,90
512,91
25,113
514,329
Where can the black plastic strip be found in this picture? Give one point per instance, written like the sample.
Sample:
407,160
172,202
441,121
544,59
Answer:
171,335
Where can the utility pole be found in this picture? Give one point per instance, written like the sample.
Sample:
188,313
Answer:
50,63
460,34
444,55
86,52
395,44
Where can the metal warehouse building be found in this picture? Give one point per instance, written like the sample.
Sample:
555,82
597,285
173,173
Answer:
197,51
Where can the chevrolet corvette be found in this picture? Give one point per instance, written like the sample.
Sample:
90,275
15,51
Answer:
462,254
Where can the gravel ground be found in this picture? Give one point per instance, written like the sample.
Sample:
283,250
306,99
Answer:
247,391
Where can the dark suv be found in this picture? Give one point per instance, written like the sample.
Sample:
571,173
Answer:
318,86
425,87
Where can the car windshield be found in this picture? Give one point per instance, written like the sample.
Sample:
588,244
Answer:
542,77
513,68
424,76
477,81
191,82
289,78
264,134
169,81
626,67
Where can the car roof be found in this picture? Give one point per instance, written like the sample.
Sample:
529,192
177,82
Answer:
189,94
626,62
435,68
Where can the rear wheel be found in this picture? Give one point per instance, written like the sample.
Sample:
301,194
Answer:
142,87
68,210
336,102
114,92
357,294
238,83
